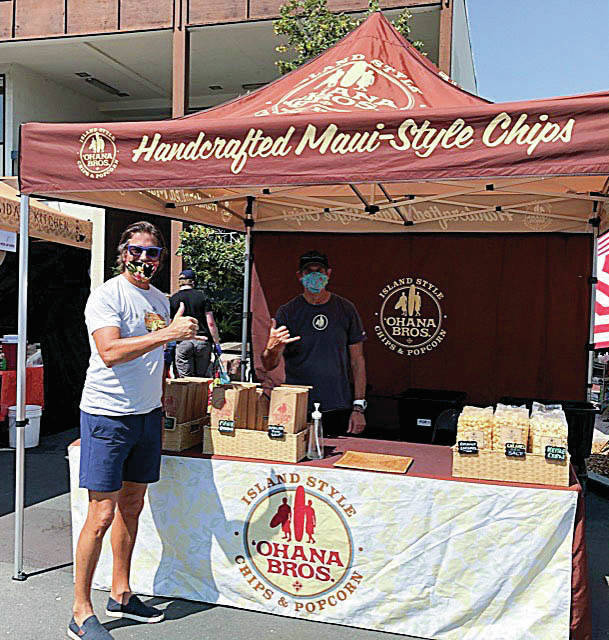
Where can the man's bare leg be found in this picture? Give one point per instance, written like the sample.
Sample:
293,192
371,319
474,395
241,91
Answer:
124,531
99,519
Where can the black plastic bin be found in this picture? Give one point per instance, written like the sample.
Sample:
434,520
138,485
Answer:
418,411
580,418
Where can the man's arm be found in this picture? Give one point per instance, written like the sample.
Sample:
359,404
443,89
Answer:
115,350
357,421
279,337
213,327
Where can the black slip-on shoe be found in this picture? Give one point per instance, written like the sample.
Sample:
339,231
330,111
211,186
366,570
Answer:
135,609
91,630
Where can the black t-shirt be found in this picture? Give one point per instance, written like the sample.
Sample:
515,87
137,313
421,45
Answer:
196,305
321,357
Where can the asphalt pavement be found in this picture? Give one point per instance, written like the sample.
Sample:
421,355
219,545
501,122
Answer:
39,608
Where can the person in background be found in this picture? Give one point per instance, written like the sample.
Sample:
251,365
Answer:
320,336
120,421
192,357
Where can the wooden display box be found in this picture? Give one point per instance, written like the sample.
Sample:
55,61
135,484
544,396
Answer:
183,435
495,465
247,443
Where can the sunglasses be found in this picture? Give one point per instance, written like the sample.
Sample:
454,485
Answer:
154,253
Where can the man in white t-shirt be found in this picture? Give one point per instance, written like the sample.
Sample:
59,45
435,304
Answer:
128,324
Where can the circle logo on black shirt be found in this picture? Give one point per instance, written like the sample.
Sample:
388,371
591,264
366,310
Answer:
320,322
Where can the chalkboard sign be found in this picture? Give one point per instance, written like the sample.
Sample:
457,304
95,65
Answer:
467,447
276,431
226,426
515,450
556,453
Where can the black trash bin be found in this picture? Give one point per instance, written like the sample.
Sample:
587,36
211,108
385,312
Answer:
418,410
580,418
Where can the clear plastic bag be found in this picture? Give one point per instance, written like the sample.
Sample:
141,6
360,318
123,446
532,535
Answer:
476,424
510,424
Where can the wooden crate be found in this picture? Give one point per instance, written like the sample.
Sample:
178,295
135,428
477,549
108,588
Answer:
183,435
495,465
247,443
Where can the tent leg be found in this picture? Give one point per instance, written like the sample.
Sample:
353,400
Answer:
245,322
19,574
592,311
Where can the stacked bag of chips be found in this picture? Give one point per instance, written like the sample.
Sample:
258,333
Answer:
549,427
510,424
476,423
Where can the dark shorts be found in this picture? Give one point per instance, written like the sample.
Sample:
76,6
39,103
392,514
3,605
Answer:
114,449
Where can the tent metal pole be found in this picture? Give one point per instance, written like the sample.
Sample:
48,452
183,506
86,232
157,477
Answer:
245,323
593,304
21,421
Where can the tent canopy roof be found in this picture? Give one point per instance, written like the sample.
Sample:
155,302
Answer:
45,223
367,137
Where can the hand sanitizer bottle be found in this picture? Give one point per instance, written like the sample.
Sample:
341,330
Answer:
315,448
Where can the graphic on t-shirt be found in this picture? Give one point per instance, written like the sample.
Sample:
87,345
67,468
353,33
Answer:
154,321
320,322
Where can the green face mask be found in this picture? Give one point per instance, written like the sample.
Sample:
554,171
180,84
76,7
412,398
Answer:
142,271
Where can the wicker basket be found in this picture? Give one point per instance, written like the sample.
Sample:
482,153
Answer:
247,443
184,435
495,465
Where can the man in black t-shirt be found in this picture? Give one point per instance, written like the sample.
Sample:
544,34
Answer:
192,356
320,336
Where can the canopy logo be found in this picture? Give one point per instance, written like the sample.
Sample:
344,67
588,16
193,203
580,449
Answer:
98,154
298,549
410,319
351,84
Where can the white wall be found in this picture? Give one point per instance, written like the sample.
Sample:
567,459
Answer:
462,61
31,97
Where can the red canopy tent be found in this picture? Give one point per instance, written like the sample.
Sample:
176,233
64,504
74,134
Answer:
367,137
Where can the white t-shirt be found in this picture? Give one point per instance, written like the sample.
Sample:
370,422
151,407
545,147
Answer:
134,387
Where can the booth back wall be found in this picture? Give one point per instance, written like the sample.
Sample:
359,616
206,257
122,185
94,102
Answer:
514,308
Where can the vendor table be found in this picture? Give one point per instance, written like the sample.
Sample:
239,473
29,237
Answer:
422,554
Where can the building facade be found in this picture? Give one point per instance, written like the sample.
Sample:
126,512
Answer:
110,60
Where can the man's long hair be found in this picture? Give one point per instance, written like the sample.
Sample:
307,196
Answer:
130,231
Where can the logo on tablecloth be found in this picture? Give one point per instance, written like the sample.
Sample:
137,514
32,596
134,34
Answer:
98,154
410,318
298,546
354,83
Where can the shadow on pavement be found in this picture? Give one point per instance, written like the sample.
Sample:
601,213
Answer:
46,471
175,610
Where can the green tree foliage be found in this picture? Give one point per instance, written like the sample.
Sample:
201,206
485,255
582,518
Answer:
308,28
217,257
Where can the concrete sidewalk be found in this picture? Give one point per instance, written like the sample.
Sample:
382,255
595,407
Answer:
40,607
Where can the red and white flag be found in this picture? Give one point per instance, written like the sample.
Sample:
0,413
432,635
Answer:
601,315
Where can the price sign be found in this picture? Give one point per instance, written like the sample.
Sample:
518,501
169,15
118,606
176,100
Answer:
423,422
467,447
276,431
226,426
169,423
556,453
515,450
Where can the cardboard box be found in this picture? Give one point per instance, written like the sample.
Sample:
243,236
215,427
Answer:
288,408
185,435
185,399
230,405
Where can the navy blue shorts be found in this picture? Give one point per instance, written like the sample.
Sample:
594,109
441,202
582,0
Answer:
114,449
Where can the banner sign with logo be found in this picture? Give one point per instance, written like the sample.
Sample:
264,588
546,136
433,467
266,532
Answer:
417,556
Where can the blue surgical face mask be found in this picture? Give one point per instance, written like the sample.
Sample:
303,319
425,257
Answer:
315,282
